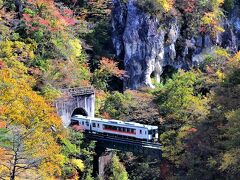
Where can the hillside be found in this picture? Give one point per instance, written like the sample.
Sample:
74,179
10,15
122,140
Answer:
170,63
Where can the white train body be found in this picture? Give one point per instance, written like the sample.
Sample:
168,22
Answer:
116,127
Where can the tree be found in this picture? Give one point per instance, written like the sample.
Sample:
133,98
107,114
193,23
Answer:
79,156
116,104
28,118
213,149
182,109
118,170
107,69
230,158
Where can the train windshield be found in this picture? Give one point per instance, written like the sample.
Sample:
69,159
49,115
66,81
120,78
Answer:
152,131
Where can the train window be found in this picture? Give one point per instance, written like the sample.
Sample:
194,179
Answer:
98,125
132,130
82,122
87,123
124,129
145,132
94,124
140,131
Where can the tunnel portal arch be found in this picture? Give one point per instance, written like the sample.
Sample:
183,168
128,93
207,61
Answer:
75,101
79,111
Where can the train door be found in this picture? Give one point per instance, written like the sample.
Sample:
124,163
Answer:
155,134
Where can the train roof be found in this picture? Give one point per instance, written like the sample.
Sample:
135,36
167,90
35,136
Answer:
115,122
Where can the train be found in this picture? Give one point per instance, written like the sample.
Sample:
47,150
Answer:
111,127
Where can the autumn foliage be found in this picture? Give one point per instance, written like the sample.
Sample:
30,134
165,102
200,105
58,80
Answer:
45,14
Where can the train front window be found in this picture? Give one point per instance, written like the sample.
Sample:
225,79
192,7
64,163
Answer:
150,132
87,123
94,124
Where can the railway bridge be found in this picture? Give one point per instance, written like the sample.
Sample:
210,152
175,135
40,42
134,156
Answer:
81,101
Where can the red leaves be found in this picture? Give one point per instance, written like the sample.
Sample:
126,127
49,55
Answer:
43,22
48,17
68,12
27,17
192,130
70,21
1,64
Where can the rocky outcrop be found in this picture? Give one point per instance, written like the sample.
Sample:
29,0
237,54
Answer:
147,46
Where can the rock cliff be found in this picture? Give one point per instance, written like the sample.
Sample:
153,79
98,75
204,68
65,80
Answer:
147,46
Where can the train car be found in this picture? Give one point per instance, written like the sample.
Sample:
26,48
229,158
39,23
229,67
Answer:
130,130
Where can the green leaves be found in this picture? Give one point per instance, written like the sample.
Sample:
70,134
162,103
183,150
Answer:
118,170
116,104
177,99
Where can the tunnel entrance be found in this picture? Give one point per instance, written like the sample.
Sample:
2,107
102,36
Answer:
75,124
79,111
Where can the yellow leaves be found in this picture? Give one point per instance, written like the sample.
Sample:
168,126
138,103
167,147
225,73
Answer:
166,4
6,49
78,163
217,3
23,108
211,18
75,47
220,75
230,159
236,57
10,49
222,52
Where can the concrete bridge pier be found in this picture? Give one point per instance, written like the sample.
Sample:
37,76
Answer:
101,160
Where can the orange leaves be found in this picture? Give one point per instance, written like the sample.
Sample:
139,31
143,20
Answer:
2,123
110,66
106,115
